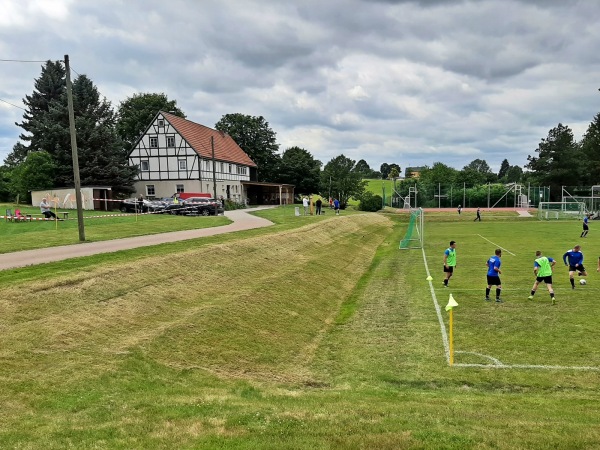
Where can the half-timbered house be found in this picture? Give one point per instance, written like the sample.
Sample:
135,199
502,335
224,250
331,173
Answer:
175,155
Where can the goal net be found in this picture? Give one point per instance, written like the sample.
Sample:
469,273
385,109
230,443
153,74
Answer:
413,238
561,210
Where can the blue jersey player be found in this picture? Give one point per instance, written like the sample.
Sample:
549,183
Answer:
493,276
574,259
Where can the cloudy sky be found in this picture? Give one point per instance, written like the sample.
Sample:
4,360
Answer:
388,81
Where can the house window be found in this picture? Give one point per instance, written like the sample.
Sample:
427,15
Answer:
150,192
222,168
154,142
170,141
182,164
229,168
144,165
241,170
179,188
161,123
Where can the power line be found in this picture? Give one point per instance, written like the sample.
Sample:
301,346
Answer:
21,61
1,100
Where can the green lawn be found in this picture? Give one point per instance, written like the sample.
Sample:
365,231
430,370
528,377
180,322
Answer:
98,226
315,333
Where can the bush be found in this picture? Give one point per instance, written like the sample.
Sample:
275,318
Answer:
231,205
370,202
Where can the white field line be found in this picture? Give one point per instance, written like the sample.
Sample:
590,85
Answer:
502,248
438,311
497,364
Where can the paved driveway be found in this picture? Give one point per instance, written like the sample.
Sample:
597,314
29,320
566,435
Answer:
241,221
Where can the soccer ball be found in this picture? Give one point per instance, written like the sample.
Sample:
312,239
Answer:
582,281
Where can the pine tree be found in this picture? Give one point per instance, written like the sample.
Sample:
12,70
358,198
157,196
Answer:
50,87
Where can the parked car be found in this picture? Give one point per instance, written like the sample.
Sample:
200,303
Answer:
203,206
140,206
170,207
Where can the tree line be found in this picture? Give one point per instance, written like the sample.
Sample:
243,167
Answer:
105,136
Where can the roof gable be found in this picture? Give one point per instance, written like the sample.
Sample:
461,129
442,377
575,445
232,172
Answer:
198,137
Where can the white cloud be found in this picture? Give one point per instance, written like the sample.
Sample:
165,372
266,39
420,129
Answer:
407,82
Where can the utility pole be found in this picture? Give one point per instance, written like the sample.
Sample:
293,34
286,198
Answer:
212,146
74,152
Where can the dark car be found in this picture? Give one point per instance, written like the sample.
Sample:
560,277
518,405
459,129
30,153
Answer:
172,207
140,206
202,206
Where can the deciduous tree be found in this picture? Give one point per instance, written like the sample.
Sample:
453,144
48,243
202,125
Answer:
136,112
257,139
298,167
340,178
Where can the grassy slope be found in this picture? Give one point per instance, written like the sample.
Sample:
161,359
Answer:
322,336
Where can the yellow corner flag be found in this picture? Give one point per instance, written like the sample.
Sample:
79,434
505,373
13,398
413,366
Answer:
451,303
429,278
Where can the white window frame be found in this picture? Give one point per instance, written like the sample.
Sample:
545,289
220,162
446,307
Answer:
154,140
171,141
161,123
150,190
179,188
144,165
182,164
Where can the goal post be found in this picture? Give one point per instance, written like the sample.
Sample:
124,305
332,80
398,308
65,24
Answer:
413,238
561,210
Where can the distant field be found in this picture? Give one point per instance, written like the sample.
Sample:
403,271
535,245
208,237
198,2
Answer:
315,333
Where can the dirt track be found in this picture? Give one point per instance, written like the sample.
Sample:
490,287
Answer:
241,221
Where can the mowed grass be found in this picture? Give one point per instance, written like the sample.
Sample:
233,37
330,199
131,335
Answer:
316,333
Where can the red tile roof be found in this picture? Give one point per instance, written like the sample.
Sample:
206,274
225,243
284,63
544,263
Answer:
198,137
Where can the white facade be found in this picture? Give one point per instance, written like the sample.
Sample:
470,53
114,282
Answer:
168,164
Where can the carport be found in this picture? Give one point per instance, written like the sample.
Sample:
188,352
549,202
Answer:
257,193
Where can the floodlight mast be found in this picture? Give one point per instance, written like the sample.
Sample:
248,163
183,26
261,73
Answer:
74,151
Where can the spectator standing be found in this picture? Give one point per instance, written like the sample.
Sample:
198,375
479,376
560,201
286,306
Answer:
459,209
336,206
305,204
319,204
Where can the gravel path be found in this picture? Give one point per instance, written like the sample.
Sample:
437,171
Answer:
241,221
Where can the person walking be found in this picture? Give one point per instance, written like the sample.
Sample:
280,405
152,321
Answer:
319,204
459,209
449,262
336,206
493,275
574,257
586,227
478,216
542,269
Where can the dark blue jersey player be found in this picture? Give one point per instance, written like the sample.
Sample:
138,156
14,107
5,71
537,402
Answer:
586,228
574,259
493,275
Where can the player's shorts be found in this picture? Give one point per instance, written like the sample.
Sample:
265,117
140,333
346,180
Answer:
579,268
547,280
449,269
493,280
585,227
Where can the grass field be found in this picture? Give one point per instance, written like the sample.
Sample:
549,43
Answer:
98,226
316,333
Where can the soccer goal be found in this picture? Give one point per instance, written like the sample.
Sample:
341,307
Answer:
561,210
413,238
